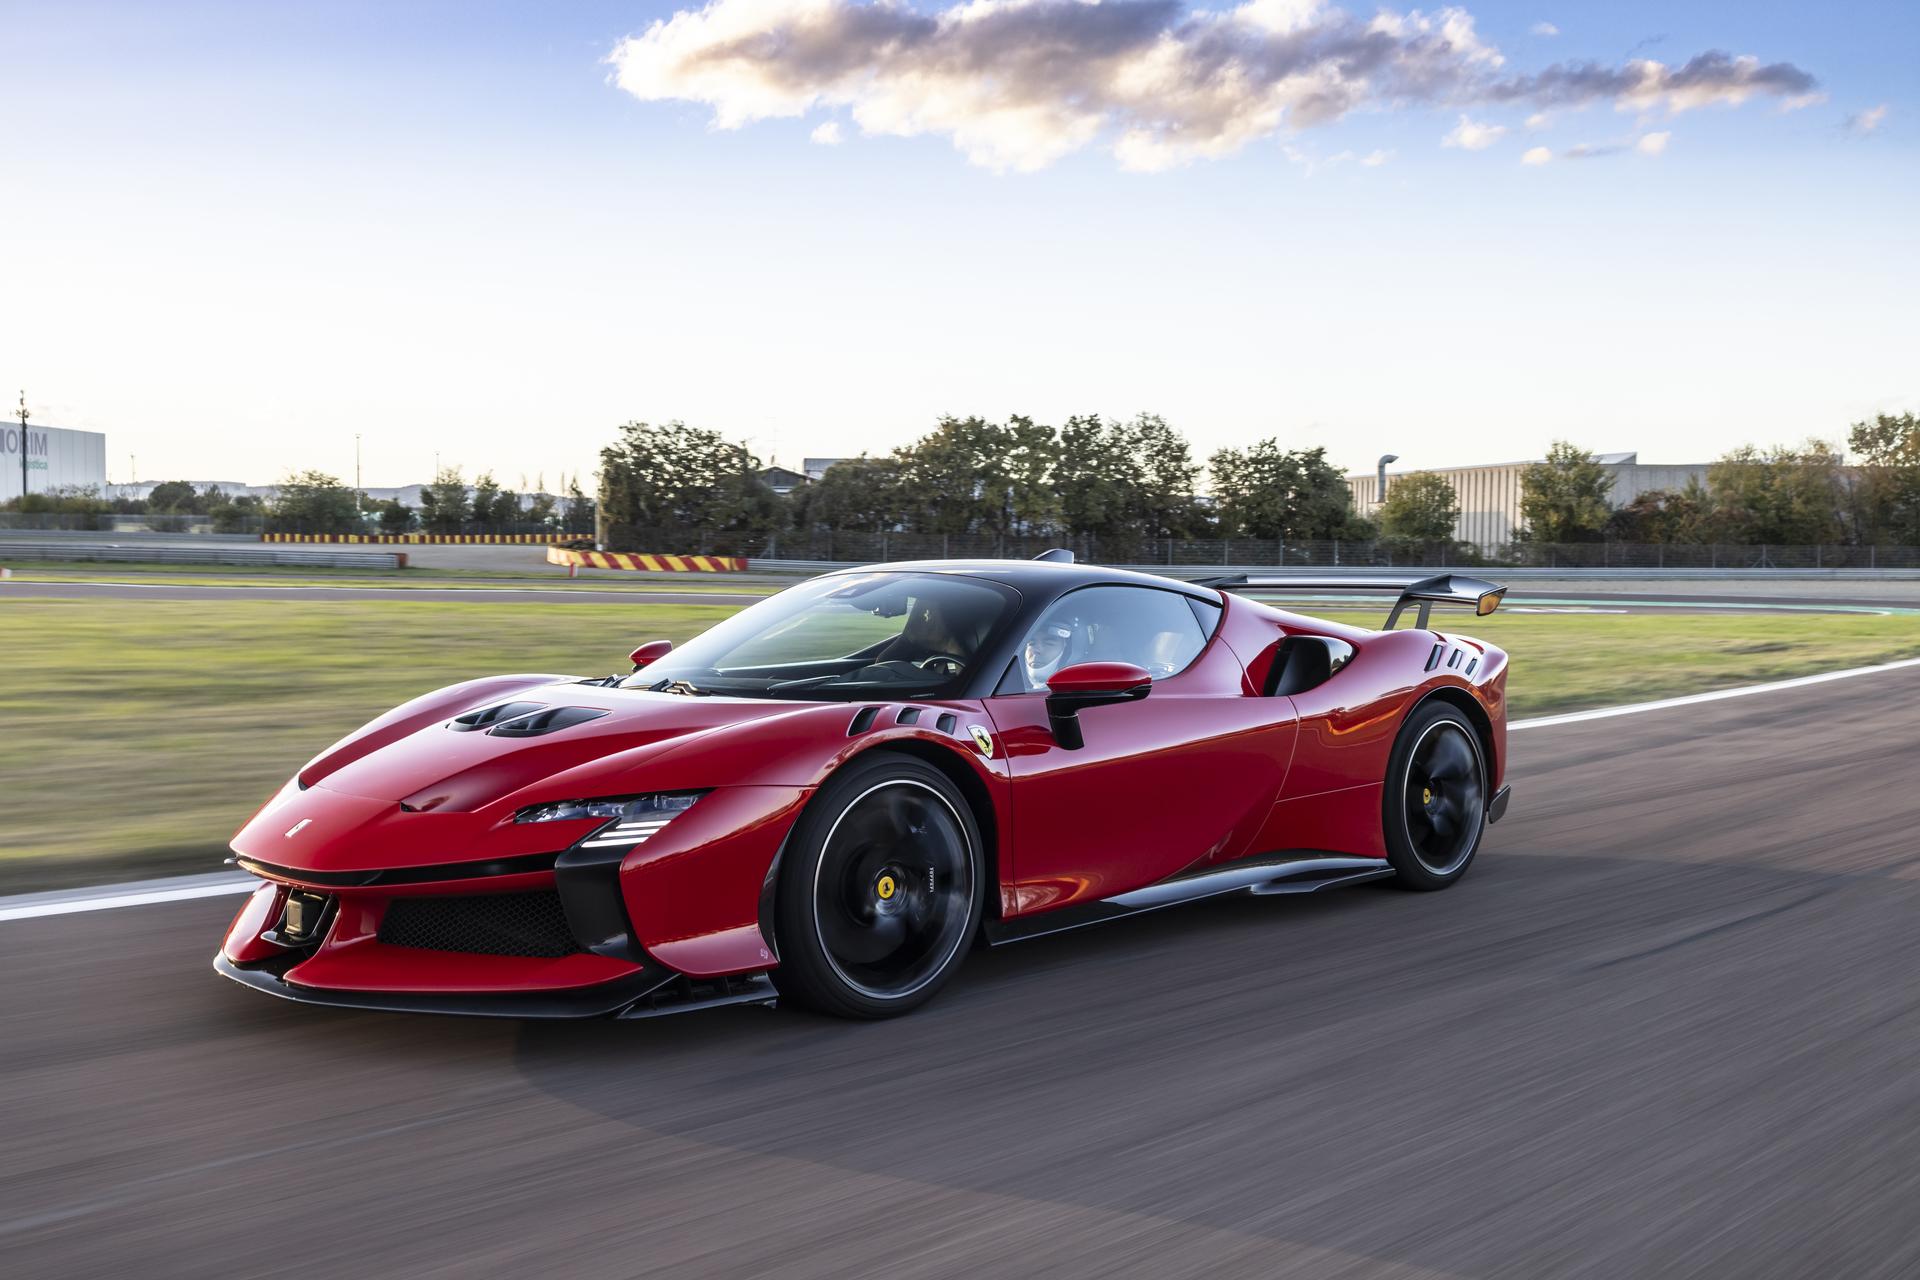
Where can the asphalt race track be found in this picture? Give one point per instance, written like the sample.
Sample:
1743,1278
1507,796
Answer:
1669,1025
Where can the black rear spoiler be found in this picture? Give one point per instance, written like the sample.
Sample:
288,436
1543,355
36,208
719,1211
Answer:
1442,588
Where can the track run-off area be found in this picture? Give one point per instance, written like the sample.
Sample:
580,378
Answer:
1669,1024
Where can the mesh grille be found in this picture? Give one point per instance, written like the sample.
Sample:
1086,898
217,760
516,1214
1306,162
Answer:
532,925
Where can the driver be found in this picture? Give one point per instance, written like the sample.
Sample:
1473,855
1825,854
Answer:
1045,652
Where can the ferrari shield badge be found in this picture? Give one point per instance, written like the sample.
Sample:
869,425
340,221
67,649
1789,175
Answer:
982,739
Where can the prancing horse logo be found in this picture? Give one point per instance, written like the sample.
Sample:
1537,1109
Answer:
982,739
298,827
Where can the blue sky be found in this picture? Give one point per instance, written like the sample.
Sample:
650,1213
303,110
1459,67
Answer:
236,234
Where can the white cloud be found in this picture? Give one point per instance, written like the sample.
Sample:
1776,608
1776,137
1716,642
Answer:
1471,136
1652,144
1539,120
827,135
1536,155
1866,121
1545,29
1018,84
1374,159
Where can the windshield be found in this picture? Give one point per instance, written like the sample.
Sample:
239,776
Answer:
848,636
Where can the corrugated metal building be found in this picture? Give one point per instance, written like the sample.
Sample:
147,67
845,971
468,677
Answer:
56,459
1490,495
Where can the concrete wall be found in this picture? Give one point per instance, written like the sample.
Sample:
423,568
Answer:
56,459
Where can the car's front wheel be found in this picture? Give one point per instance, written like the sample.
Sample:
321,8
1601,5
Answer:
880,890
1435,808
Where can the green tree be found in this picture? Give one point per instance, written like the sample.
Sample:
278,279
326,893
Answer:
443,504
1666,515
1264,491
539,509
1421,509
315,502
1097,477
860,495
1888,489
234,514
677,481
175,497
1784,496
1564,499
395,516
1160,498
582,511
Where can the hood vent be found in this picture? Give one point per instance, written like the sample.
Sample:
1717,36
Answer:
487,717
551,720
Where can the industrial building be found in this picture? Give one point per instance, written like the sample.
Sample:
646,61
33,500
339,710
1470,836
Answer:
56,459
1489,495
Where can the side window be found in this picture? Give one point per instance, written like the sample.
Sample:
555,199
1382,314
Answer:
1155,630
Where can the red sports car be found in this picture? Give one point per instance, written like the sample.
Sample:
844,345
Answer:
829,796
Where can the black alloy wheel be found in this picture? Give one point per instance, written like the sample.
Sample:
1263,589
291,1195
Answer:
881,889
1435,808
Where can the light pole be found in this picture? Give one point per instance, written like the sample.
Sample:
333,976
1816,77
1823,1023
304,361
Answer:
1380,484
24,415
359,497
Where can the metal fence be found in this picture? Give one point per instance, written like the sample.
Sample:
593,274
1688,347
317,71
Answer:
841,545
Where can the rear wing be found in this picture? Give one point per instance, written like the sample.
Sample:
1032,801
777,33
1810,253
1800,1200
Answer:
1442,588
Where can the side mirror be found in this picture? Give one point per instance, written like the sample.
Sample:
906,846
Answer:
651,651
1090,684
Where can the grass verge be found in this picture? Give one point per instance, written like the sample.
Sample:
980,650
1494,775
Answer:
136,735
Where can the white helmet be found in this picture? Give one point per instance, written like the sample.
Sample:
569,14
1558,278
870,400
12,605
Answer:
1045,652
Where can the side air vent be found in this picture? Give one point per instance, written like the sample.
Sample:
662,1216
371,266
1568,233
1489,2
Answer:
947,722
1306,662
1433,659
550,721
908,715
862,721
487,717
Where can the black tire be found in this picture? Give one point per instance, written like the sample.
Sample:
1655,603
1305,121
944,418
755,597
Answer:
1435,808
880,891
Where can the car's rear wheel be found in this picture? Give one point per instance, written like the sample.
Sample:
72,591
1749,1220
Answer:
880,890
1435,808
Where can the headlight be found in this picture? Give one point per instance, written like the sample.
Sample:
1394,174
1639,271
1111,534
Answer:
638,816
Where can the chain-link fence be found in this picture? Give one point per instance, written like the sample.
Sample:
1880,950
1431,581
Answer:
840,545
843,545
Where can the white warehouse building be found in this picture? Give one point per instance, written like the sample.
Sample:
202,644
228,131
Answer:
56,459
1490,495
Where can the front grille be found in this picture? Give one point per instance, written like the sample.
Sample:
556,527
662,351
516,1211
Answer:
532,925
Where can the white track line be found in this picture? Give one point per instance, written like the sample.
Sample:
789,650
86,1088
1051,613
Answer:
109,897
32,906
1634,709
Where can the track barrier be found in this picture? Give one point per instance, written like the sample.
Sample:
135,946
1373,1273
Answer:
578,560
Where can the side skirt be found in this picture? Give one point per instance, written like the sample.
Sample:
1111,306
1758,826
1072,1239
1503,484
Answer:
1263,876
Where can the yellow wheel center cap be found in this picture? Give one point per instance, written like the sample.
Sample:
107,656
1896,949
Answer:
885,888
1426,796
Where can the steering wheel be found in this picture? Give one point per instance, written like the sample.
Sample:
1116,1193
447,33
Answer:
945,663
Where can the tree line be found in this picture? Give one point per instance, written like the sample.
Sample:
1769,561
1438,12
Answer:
1129,482
316,502
1122,483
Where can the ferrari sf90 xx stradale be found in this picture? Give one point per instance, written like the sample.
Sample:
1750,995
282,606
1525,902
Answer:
831,795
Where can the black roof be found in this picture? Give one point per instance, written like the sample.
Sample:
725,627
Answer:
1041,578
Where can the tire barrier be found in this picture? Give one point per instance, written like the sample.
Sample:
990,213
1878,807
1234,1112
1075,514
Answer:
578,560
